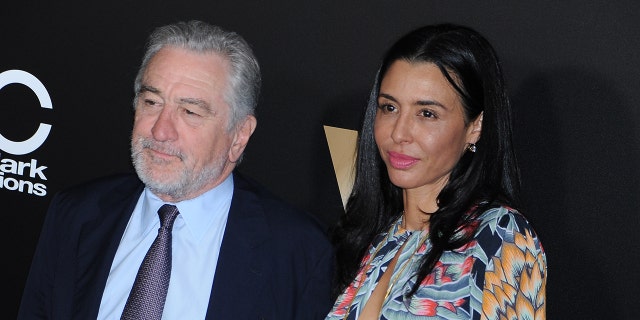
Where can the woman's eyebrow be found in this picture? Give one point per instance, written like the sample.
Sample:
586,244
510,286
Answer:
419,102
388,96
430,103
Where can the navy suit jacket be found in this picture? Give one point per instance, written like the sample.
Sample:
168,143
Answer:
275,261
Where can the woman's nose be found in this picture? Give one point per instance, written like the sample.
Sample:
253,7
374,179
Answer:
402,129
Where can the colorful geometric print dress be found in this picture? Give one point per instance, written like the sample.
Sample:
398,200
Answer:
501,274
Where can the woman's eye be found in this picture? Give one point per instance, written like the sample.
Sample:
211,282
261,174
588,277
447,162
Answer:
387,108
427,114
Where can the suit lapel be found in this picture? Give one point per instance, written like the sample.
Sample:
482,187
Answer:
98,244
241,264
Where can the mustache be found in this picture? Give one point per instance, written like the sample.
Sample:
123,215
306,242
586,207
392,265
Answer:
166,148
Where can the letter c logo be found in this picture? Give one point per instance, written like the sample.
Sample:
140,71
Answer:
33,143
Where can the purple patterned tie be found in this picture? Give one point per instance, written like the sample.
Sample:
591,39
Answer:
149,292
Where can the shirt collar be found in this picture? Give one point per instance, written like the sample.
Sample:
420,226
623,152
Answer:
197,214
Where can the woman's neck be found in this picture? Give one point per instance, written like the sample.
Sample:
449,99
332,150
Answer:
414,220
419,204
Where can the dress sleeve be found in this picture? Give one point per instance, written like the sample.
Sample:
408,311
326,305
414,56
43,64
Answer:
511,267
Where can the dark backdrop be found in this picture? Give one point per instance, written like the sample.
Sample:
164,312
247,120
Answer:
572,70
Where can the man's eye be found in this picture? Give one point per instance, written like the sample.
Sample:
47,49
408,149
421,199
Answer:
150,102
191,113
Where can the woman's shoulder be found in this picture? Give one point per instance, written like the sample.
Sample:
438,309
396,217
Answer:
503,226
509,258
504,220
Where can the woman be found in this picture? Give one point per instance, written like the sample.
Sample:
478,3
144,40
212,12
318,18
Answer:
431,227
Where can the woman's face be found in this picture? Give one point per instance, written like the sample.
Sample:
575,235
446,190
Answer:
420,127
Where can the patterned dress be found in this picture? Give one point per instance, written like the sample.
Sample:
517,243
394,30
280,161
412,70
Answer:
501,274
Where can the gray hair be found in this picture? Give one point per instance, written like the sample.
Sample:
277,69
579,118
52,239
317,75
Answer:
198,36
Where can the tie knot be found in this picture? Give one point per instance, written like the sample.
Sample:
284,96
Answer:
168,214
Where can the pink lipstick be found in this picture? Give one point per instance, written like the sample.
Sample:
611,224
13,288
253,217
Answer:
401,161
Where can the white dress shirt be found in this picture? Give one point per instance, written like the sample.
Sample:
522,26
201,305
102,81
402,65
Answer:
196,237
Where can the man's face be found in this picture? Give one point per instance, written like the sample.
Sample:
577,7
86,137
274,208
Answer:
180,143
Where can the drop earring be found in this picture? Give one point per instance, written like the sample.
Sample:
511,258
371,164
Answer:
472,147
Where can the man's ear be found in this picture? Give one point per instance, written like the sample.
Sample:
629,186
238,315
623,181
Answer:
241,137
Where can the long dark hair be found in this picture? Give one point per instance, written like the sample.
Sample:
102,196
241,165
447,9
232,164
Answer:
487,178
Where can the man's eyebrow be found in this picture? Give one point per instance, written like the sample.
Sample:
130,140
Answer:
147,88
194,101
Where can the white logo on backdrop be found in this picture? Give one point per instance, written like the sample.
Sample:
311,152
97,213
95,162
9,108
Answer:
31,169
38,138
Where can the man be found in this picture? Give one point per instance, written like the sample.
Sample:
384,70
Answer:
237,251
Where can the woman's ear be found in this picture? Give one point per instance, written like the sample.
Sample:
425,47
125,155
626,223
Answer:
473,134
478,122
